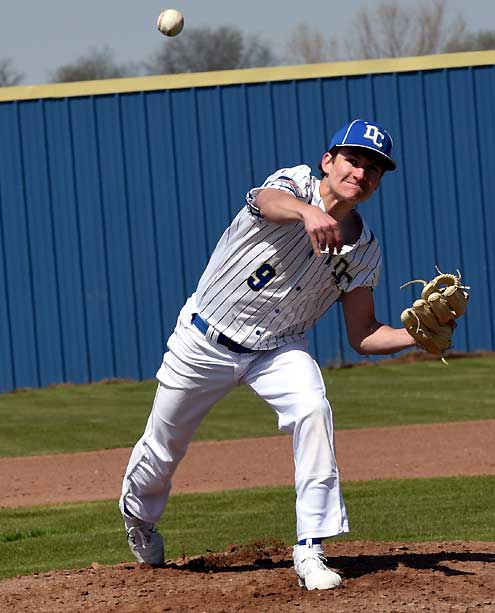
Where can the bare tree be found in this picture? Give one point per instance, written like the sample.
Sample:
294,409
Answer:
8,74
391,30
204,49
96,64
484,40
307,45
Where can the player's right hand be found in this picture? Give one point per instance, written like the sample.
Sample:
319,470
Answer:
323,230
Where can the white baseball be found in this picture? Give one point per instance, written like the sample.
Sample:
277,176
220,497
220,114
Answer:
170,22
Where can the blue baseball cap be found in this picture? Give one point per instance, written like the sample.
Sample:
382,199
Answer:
367,135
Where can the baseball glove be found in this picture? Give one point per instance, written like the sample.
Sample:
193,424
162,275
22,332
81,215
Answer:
430,320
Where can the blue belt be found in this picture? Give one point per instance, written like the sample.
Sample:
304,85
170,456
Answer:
203,326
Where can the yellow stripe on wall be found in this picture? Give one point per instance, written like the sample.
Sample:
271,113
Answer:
247,75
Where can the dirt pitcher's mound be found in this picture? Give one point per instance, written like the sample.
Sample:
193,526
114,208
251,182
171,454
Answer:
378,577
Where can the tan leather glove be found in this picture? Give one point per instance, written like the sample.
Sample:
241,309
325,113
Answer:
430,320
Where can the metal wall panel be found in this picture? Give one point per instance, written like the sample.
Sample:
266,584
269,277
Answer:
110,205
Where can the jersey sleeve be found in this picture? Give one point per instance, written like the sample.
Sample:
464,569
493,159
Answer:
295,181
367,272
369,279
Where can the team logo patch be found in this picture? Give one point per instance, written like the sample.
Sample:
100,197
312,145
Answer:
373,133
340,271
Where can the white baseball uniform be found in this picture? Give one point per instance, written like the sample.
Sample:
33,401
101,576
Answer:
262,289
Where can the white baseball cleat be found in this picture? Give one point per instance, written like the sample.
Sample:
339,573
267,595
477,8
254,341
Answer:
145,543
311,570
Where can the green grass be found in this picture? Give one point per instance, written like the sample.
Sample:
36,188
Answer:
71,418
424,392
75,535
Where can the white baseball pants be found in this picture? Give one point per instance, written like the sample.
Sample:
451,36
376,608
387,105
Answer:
196,373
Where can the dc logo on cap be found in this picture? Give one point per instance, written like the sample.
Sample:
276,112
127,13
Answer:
374,134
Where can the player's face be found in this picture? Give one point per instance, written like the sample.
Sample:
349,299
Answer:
352,175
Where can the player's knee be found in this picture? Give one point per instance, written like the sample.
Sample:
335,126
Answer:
313,412
315,409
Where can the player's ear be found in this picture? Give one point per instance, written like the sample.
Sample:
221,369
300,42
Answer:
326,161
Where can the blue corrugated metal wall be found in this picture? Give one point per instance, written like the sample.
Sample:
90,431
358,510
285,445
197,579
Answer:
111,204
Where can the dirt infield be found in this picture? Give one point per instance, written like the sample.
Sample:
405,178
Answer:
442,450
378,577
381,577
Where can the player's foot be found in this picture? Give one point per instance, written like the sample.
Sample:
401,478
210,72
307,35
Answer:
146,544
144,541
309,564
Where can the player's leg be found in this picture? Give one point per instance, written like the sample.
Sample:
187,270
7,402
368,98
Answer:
291,382
173,420
193,376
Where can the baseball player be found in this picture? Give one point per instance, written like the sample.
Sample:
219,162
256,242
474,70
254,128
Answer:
295,248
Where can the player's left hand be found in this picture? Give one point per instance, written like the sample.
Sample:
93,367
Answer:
431,319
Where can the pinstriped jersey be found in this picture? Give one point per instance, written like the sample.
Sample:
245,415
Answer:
263,286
